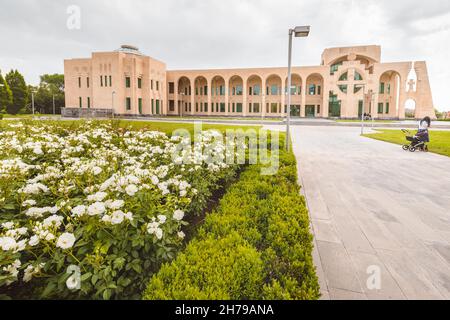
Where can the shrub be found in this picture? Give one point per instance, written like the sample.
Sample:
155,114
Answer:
233,268
270,216
105,200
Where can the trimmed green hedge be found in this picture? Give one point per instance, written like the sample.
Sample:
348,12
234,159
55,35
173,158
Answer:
256,245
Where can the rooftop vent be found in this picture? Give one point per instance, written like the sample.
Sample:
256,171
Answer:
129,49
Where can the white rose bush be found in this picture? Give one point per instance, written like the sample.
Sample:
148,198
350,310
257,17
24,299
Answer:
109,201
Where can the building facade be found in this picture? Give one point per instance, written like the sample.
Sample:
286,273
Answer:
349,82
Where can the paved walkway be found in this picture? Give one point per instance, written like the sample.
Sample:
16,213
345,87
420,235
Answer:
373,204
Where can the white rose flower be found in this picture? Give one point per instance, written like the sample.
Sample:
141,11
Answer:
159,233
117,217
155,180
79,211
66,241
96,209
8,225
131,190
129,216
181,235
8,243
38,150
106,219
29,203
116,205
34,241
162,219
50,237
96,171
178,215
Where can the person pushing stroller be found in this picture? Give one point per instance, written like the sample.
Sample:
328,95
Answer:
422,137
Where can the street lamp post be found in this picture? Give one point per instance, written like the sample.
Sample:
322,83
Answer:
112,103
32,102
298,32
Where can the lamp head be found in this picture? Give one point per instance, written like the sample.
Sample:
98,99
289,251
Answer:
302,31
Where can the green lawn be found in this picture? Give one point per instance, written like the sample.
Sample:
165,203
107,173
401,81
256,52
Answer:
166,127
368,121
223,118
440,140
29,116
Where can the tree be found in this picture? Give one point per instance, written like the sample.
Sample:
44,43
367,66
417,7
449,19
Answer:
439,114
5,94
50,85
19,91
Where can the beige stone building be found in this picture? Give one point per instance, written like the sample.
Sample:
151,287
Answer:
348,82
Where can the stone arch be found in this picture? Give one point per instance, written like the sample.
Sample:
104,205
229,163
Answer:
274,85
236,94
184,95
410,108
218,92
390,84
200,94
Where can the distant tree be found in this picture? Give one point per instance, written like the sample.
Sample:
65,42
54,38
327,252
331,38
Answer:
50,85
5,94
19,91
439,114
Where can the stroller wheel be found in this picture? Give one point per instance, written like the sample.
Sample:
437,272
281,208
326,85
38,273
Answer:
412,149
405,147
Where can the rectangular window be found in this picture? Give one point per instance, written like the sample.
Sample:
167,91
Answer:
139,83
382,88
233,107
153,106
267,108
110,81
222,107
190,88
89,102
217,107
239,107
196,107
250,91
157,86
256,108
205,90
140,105
171,88
239,90
256,90
274,90
87,82
206,107
106,81
319,90
128,82
101,81
380,108
273,107
318,109
190,107
249,108
387,107
79,82
171,105
80,101
157,107
312,89
128,103
151,84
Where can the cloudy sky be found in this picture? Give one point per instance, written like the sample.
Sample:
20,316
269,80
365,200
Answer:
225,33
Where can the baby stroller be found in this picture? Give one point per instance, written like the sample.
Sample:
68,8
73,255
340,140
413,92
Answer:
416,142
